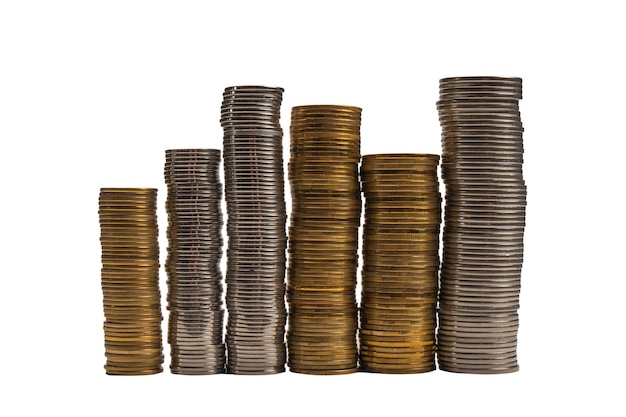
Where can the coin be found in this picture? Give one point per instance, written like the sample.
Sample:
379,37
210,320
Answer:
129,281
400,264
195,243
484,220
323,239
255,203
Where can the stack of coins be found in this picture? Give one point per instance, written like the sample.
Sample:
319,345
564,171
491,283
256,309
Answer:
323,239
484,224
130,281
400,262
255,202
194,233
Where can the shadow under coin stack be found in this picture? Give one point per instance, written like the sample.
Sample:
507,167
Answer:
484,224
255,202
130,281
400,262
323,239
194,233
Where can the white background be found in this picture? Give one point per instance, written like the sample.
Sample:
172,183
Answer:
93,92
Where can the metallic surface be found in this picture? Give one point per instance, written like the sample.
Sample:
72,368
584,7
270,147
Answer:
130,281
194,278
398,300
255,203
323,239
484,224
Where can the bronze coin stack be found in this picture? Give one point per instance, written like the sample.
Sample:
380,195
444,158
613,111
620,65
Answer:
484,224
323,239
194,233
400,263
130,281
257,240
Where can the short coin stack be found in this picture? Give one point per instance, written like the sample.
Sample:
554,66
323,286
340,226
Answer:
194,233
400,262
130,281
323,239
484,224
255,202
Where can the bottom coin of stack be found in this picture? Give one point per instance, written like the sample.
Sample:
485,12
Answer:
130,281
196,313
400,263
479,343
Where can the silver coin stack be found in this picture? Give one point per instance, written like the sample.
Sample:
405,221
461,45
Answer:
195,289
255,203
484,224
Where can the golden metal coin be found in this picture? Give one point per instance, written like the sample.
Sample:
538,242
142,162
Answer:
400,262
129,281
323,238
309,370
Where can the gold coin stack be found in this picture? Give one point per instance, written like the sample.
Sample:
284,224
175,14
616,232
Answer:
323,239
130,281
400,262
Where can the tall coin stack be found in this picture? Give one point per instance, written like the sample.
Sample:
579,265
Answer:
323,239
194,233
400,262
255,201
130,281
484,224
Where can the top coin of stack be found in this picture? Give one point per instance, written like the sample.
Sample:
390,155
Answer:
255,203
196,319
323,239
130,281
400,262
484,224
